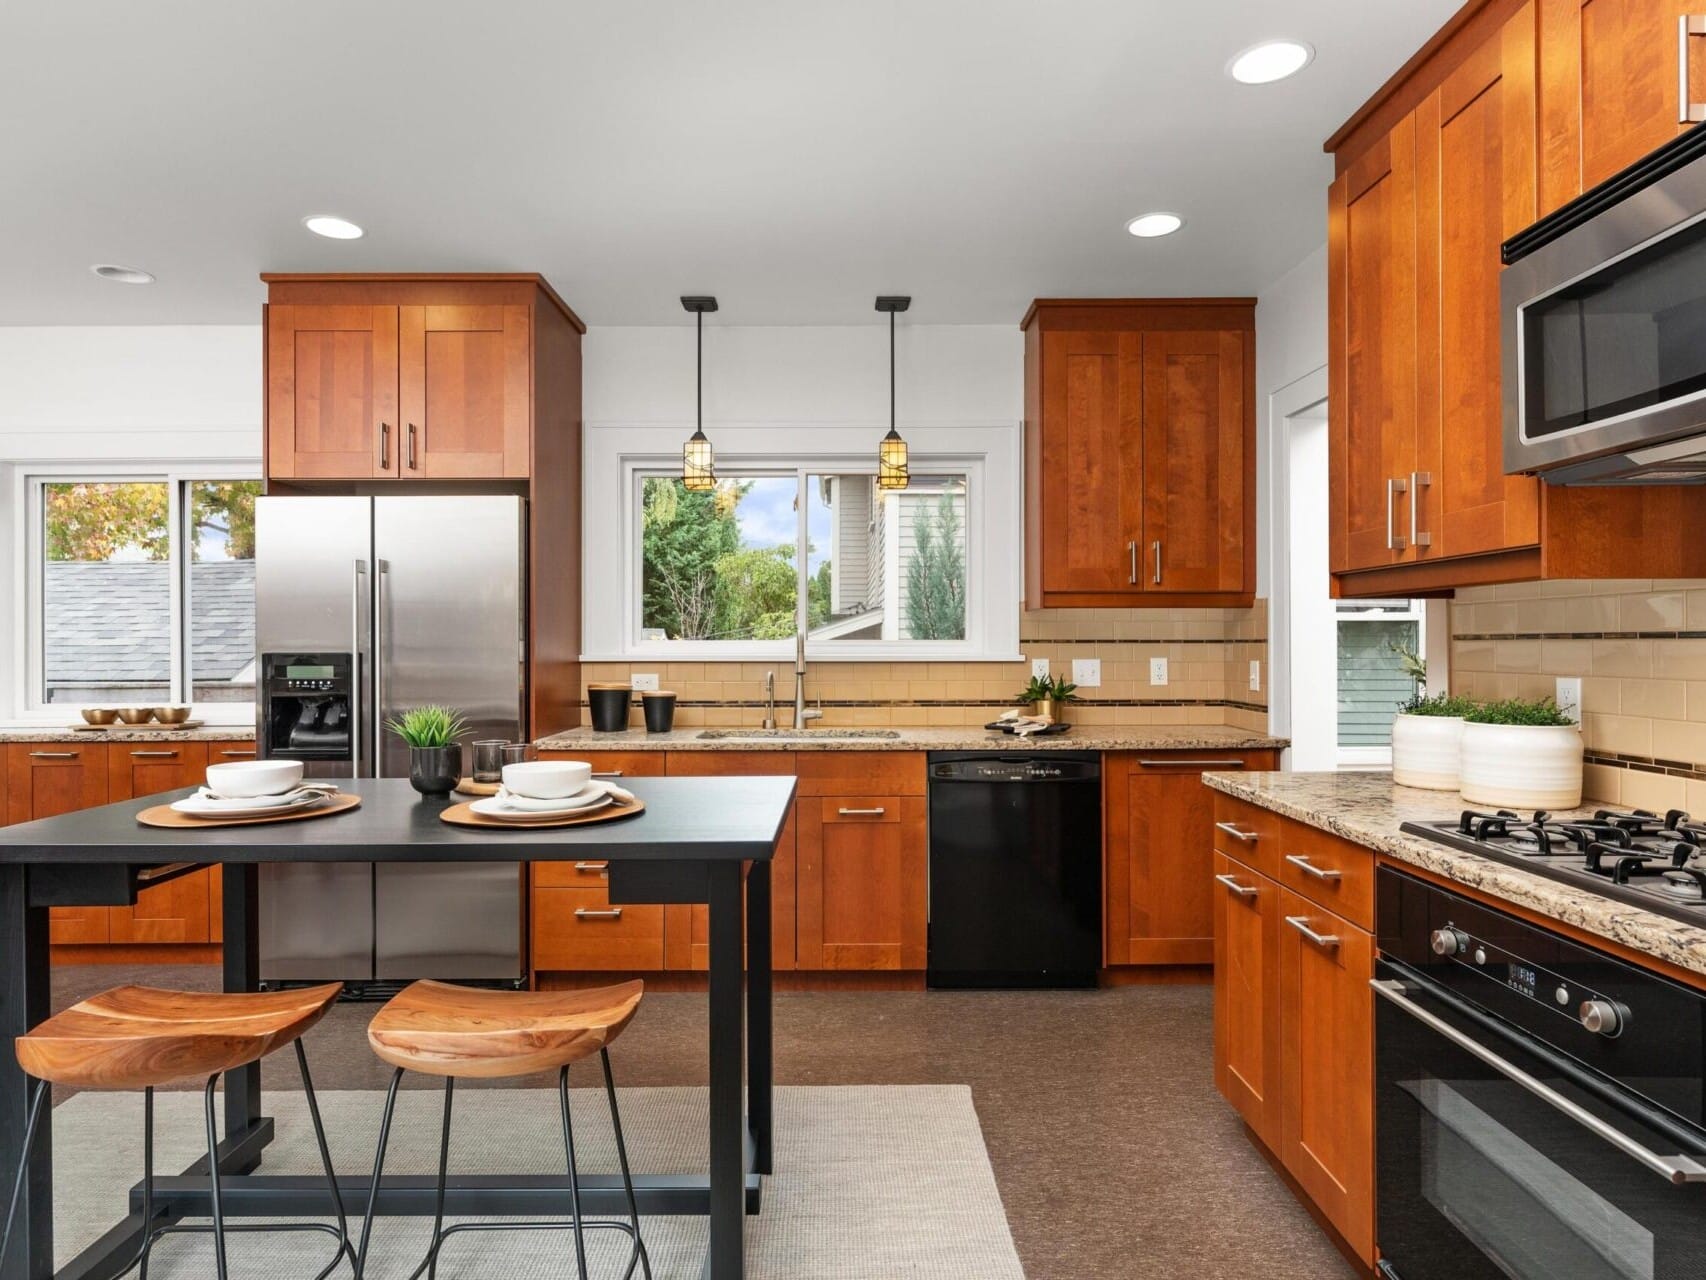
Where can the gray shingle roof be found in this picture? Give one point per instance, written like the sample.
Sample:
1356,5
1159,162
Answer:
110,620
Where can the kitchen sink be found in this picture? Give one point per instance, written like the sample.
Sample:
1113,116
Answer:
793,735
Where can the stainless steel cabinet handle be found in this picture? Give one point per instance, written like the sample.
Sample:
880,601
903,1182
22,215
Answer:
1131,547
160,872
878,812
1192,764
384,446
1419,480
587,913
159,755
1248,837
1156,547
1326,941
249,752
609,773
591,866
1677,1169
411,446
54,755
1302,863
1242,890
1687,111
1394,540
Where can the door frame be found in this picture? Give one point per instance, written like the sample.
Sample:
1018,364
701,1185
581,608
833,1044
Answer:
1292,404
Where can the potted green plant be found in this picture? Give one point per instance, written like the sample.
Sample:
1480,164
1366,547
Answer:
1427,738
435,758
1048,697
1522,754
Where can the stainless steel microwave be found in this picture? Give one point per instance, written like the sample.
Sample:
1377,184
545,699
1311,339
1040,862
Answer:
1604,331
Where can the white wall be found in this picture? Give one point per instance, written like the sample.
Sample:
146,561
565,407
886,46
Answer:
1291,341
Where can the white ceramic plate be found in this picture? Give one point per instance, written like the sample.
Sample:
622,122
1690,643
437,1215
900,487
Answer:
199,806
588,797
493,807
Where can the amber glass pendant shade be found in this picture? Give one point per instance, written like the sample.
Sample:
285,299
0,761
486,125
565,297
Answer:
892,470
698,464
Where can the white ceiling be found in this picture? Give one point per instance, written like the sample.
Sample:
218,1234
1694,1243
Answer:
794,157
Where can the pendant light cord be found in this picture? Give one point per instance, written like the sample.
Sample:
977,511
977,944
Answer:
699,372
891,372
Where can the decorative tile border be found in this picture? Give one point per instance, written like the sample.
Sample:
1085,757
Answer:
1583,635
736,704
1646,764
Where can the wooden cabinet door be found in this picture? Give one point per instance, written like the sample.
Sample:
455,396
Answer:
1477,185
1246,995
1609,86
1193,462
1326,1019
862,882
332,392
43,781
1371,339
1092,463
464,376
181,909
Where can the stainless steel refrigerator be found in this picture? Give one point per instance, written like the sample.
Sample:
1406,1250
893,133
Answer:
365,607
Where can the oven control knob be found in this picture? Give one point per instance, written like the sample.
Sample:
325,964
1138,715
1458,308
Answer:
1448,942
1601,1017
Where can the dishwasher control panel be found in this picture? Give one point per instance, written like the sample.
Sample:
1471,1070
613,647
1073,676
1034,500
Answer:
1015,768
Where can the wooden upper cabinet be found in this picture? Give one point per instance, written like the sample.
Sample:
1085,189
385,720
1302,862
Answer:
464,373
1610,88
331,392
1139,452
1476,187
1371,333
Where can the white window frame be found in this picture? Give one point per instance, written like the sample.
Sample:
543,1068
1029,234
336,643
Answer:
619,455
28,505
1412,610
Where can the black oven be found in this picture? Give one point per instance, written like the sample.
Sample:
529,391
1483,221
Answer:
1538,1104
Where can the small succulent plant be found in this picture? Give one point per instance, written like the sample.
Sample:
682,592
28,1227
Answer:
431,726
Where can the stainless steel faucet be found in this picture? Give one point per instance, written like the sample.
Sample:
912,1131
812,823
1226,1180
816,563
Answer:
801,715
769,699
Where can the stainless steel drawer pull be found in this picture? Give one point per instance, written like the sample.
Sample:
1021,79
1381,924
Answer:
1192,764
1327,941
878,812
591,866
608,773
1687,110
249,752
1248,837
1677,1169
587,913
1303,864
156,755
1394,540
54,755
148,874
1242,890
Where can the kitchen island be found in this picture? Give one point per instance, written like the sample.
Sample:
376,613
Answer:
688,847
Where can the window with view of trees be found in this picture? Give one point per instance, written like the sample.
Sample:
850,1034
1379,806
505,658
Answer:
738,563
109,622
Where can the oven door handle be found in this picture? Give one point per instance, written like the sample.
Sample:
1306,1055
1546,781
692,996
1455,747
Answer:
1677,1169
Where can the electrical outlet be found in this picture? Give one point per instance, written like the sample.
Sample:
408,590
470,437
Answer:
1087,672
1255,675
641,683
1039,668
1158,671
1569,697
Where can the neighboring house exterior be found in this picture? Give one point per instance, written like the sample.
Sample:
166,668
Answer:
108,631
873,539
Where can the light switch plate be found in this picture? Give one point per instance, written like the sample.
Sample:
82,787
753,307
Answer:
1087,672
1255,675
1569,697
644,682
1039,668
1158,671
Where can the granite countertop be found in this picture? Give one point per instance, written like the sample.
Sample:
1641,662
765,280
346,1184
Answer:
129,733
1080,738
1368,808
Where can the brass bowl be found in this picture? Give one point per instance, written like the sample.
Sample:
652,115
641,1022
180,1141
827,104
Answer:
171,715
99,715
136,715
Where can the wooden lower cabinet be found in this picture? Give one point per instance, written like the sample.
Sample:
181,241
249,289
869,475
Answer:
44,780
180,910
863,879
1158,905
1246,995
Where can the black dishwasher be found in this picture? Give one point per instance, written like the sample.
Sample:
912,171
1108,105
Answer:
1015,869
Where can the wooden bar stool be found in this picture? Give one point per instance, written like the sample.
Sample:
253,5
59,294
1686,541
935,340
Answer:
467,1032
140,1037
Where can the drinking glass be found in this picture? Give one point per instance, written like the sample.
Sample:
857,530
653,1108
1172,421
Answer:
516,752
488,759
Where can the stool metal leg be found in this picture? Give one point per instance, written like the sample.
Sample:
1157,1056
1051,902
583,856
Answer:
430,1265
344,1246
213,1181
38,1099
627,1178
574,1172
378,1168
147,1179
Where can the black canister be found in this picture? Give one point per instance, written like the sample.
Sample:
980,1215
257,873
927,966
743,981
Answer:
660,710
609,703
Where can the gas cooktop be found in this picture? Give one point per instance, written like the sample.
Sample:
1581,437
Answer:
1649,860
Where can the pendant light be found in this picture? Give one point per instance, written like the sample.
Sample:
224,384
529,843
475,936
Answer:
892,470
698,461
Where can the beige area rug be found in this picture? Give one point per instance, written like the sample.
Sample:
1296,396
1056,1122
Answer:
871,1183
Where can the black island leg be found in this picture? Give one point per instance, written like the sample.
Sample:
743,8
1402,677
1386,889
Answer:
24,999
759,1047
726,1257
242,946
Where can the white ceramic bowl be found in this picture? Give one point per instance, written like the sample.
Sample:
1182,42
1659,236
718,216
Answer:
246,779
547,779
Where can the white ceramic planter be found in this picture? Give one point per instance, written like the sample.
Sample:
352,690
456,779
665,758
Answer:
1425,751
1522,766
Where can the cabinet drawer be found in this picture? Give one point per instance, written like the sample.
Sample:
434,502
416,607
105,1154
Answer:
868,810
1247,833
623,764
585,874
855,773
579,929
1330,872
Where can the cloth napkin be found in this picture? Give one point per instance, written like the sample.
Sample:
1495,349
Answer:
534,804
213,799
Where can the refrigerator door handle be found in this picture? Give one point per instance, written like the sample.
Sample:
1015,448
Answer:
359,577
380,659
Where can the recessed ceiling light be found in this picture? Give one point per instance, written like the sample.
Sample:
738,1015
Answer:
121,275
1151,225
1269,61
324,224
